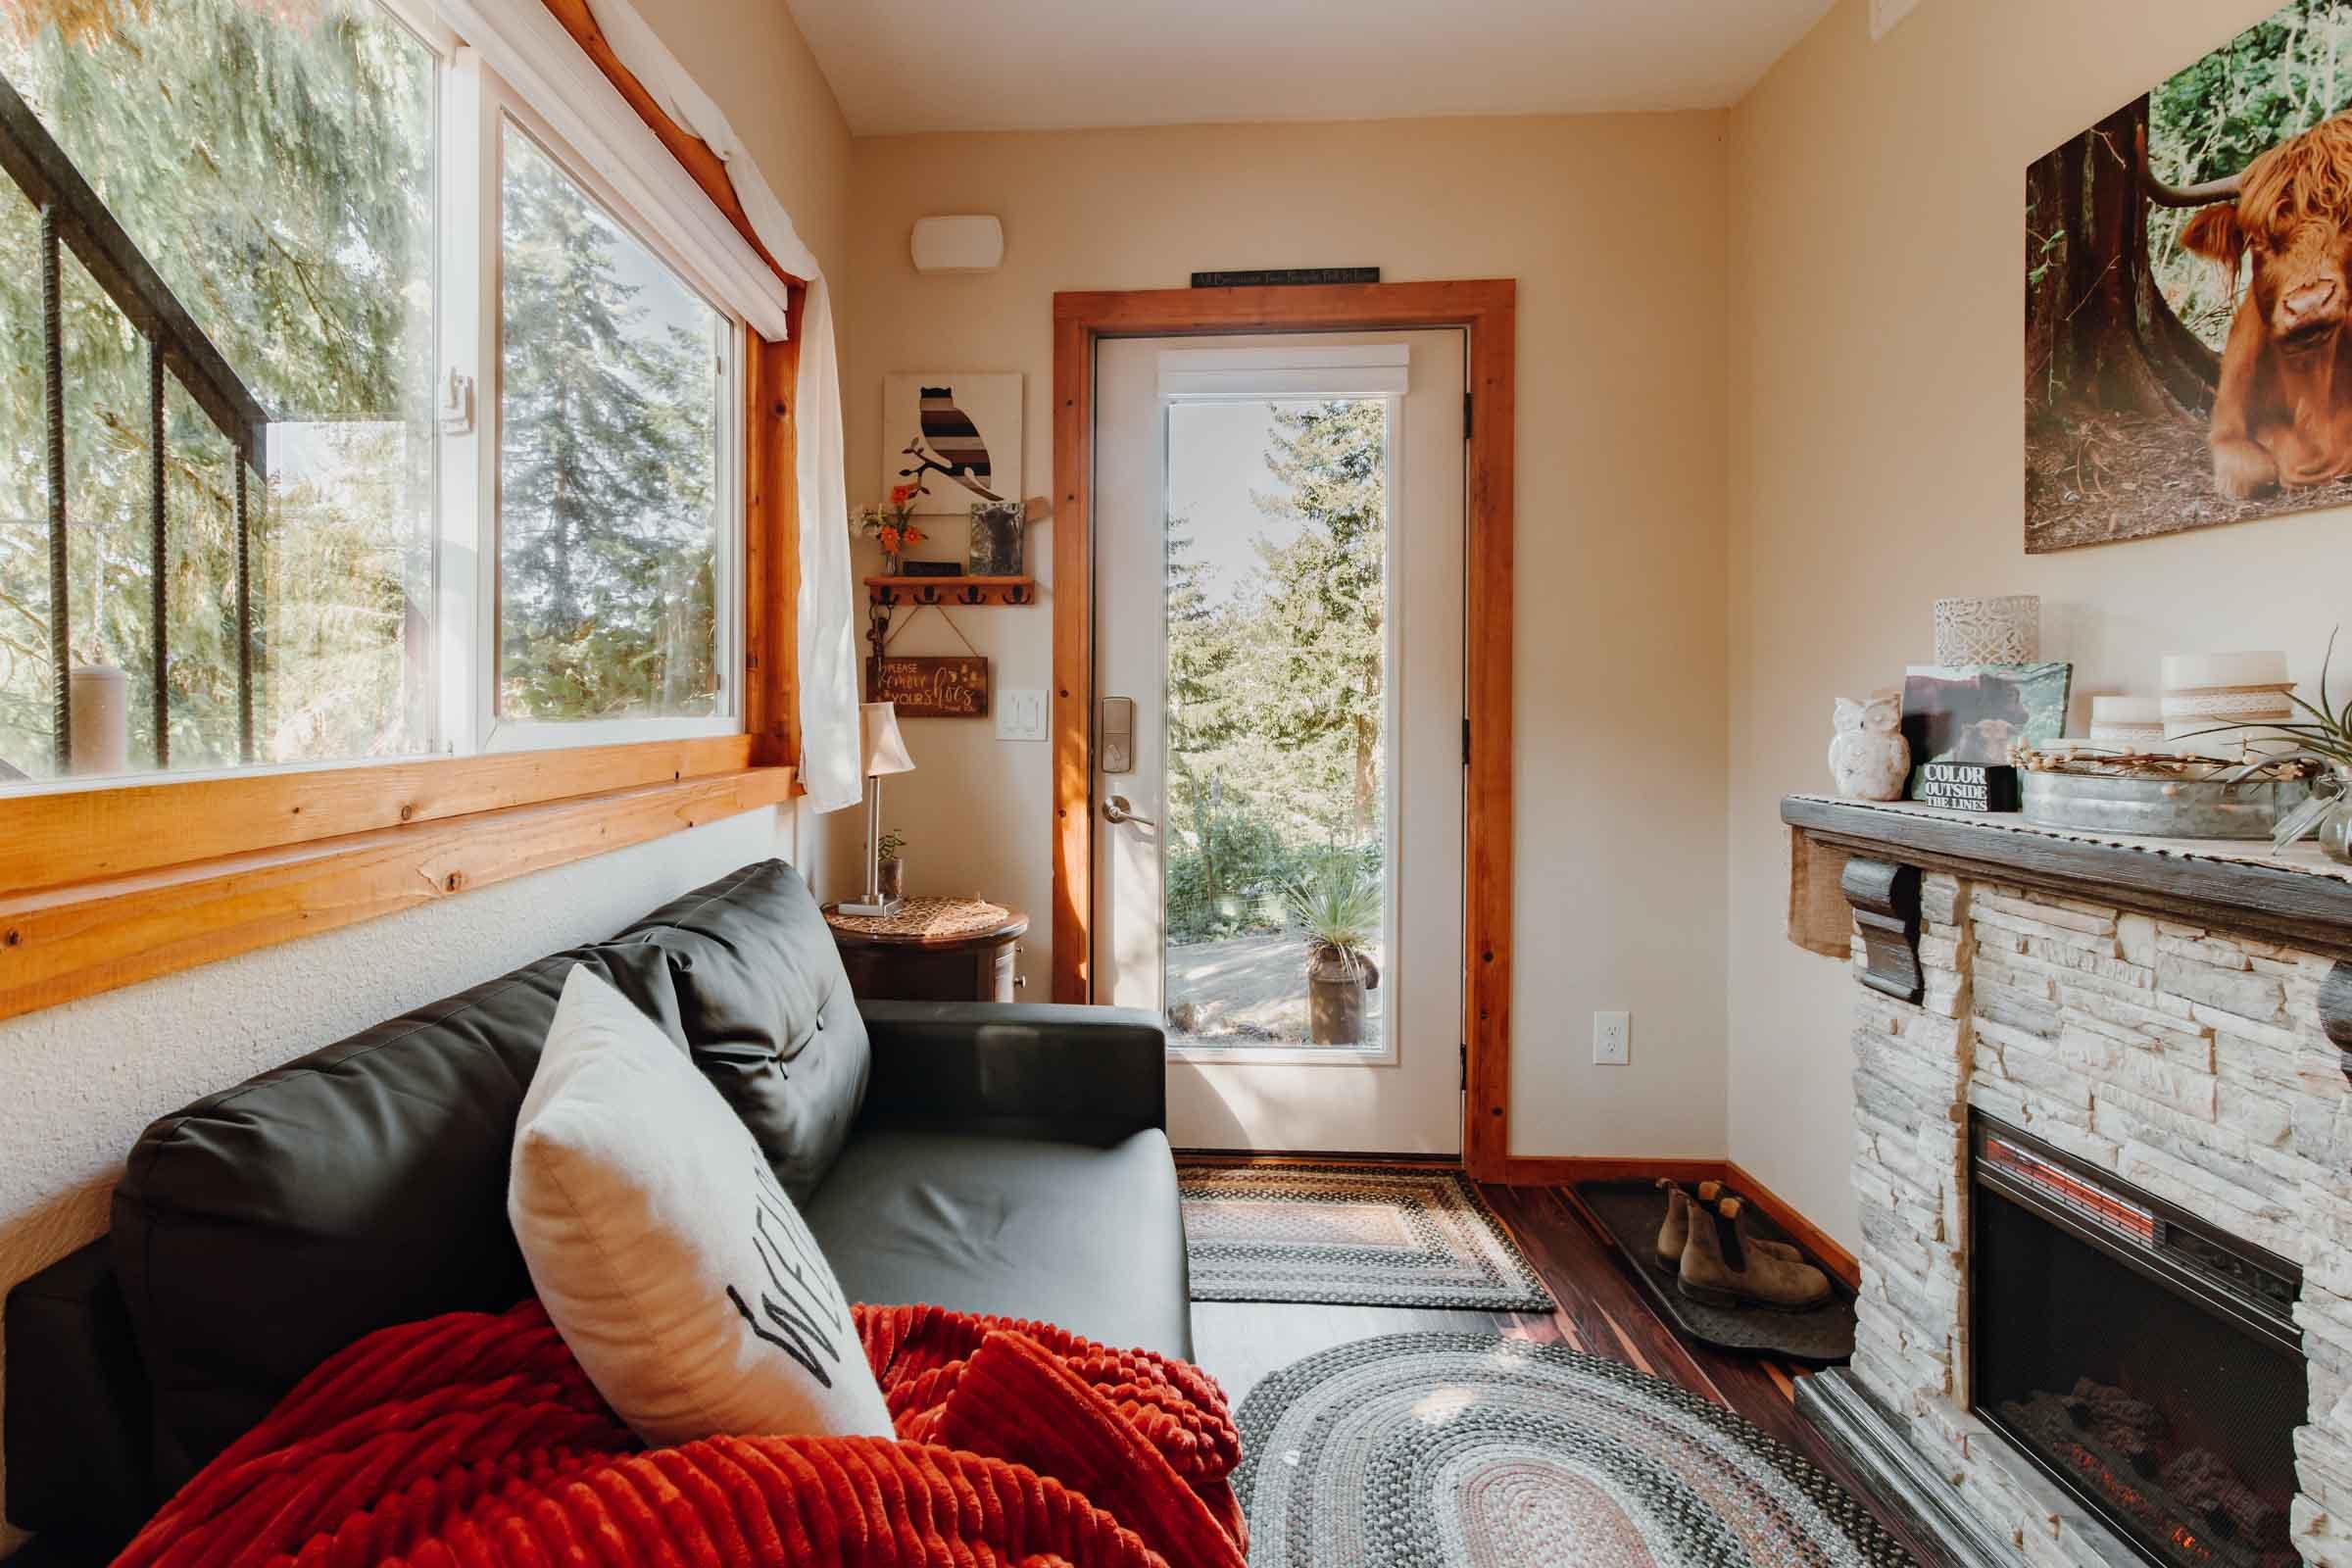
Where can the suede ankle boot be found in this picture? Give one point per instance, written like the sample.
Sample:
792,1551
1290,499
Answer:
1674,1234
1722,1266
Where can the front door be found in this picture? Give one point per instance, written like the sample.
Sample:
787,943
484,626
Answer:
1278,839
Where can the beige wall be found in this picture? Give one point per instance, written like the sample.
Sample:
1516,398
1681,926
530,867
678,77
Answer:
1613,226
1877,456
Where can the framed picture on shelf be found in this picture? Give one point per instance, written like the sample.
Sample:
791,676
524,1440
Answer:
1975,714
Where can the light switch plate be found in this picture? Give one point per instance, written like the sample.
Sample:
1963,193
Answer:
1020,716
1612,1039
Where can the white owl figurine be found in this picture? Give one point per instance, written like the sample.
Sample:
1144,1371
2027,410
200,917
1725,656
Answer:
1868,757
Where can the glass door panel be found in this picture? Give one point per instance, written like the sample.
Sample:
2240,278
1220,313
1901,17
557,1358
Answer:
1275,889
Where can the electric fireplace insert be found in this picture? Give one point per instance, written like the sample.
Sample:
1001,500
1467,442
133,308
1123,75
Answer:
2147,1360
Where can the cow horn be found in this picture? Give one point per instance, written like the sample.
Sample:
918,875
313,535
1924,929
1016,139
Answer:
2226,190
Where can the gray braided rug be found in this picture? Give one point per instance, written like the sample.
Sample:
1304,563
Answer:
1471,1451
1352,1235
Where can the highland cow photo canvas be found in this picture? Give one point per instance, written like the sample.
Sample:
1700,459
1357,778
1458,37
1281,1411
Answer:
2187,295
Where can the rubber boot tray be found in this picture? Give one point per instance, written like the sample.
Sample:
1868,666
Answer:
1632,1212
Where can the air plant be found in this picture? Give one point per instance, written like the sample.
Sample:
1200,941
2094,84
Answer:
2328,737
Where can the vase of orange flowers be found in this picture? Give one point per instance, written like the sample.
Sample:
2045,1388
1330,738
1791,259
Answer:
892,526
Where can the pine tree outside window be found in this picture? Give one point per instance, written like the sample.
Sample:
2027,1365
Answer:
502,500
610,551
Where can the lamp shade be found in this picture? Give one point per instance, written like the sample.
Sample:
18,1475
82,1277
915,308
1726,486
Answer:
885,748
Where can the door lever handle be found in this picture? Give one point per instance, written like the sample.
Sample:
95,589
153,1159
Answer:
1116,811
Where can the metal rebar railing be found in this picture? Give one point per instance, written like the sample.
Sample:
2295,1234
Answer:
74,218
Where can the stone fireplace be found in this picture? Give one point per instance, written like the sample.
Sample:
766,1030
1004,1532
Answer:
2102,1148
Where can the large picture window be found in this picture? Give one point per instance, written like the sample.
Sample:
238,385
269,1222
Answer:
497,499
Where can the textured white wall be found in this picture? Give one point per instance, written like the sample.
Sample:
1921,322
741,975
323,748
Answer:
79,1081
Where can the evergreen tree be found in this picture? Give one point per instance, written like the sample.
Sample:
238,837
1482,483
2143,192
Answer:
273,163
605,485
1200,655
1201,651
1326,594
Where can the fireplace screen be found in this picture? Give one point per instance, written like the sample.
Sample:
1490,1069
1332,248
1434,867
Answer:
2143,1360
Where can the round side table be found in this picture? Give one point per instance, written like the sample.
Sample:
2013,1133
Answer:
934,949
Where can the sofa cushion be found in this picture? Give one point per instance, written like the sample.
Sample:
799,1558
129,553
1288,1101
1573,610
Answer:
265,1227
663,1249
767,1013
1089,1239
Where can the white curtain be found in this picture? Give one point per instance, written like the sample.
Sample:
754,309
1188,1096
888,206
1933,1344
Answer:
828,668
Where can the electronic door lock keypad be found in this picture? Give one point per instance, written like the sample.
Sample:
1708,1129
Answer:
1118,734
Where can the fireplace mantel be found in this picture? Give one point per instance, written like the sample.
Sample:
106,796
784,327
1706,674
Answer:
2300,899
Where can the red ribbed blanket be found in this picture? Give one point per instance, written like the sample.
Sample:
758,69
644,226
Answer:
473,1441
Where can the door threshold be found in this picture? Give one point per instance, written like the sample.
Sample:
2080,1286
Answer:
1284,1056
1312,1156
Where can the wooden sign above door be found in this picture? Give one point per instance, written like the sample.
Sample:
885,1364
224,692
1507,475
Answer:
955,686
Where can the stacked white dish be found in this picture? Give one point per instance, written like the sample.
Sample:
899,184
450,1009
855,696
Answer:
2134,721
2219,705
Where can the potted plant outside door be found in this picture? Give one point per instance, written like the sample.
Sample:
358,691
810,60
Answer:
1337,907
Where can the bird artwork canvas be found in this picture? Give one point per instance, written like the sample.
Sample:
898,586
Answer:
955,437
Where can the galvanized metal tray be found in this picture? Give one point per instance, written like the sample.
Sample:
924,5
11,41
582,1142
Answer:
2160,807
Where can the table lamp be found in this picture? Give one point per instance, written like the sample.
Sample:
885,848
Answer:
885,752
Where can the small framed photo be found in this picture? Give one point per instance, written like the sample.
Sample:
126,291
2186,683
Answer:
1975,713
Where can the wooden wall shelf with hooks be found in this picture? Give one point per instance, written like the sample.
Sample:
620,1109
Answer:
890,592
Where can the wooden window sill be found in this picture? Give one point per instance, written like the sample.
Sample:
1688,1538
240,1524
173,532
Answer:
394,837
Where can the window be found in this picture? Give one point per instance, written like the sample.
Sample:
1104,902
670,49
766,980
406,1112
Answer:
498,499
609,464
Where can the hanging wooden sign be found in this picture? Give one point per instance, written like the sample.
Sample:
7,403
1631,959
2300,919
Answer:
955,686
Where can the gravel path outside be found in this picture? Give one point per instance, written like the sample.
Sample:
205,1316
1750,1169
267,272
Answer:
1249,991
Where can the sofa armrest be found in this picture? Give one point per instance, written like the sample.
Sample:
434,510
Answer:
1030,1070
80,1471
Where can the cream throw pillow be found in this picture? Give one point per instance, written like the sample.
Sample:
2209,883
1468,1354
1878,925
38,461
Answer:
664,1252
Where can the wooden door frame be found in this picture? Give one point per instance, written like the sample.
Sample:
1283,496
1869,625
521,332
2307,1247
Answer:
1487,309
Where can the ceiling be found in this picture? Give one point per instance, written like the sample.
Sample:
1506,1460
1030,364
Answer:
904,66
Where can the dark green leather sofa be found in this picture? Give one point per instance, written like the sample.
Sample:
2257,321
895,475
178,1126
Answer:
1008,1159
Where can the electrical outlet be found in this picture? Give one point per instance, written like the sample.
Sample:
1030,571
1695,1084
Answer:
1020,716
1612,1039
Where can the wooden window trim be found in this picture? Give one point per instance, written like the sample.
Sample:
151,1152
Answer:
80,938
1487,309
109,885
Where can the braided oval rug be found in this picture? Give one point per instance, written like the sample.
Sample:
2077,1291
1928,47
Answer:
1472,1450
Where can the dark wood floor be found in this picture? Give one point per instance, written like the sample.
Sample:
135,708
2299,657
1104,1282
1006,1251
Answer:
1602,1312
